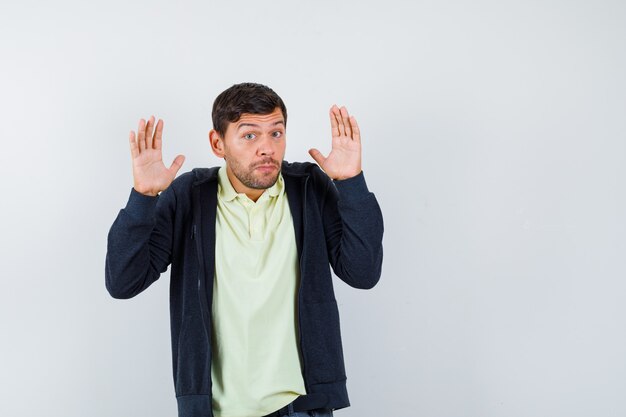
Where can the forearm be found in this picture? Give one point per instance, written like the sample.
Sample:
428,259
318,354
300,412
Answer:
356,240
138,248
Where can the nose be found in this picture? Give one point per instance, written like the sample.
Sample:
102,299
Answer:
266,146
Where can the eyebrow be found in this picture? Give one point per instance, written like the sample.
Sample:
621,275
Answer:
280,122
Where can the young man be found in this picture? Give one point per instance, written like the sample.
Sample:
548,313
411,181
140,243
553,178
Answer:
254,321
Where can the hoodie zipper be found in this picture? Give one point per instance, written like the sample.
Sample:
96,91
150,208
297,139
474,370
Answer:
306,385
196,235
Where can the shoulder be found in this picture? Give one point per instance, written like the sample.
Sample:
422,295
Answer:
183,183
305,169
319,184
296,168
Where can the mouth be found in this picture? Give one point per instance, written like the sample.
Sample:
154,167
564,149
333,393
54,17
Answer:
266,168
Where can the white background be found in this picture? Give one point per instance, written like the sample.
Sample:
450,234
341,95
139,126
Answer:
493,135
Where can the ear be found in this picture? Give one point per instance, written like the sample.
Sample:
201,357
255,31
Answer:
217,143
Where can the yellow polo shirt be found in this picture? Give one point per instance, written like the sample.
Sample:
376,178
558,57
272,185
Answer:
255,365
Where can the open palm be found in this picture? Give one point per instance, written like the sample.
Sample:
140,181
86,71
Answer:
344,160
149,173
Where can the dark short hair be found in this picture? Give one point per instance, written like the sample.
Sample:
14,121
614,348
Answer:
244,98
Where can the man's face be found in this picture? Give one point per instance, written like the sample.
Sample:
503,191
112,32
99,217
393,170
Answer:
254,147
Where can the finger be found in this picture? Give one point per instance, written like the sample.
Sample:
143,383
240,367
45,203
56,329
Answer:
141,135
356,132
149,130
334,128
337,114
158,135
317,156
134,150
346,121
178,162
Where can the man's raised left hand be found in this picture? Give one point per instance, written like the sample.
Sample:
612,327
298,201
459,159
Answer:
344,160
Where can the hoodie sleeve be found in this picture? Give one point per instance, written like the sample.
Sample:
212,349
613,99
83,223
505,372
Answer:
139,244
353,225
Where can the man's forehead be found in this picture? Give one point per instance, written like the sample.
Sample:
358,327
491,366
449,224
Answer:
261,119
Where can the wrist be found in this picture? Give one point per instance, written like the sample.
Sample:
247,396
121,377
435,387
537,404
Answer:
347,176
148,193
352,188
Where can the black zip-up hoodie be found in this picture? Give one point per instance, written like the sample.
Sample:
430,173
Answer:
337,223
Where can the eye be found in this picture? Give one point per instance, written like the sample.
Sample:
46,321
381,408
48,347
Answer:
249,136
277,134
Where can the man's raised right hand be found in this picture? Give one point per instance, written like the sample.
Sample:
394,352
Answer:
149,173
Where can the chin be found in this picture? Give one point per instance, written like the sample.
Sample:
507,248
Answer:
265,183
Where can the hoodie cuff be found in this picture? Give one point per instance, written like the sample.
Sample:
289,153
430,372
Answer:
352,187
140,205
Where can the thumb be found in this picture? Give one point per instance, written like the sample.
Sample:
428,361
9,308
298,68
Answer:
178,162
317,155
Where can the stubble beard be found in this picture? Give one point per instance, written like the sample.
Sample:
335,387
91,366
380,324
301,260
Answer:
248,178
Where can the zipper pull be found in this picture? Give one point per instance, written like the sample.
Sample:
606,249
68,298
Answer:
193,231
